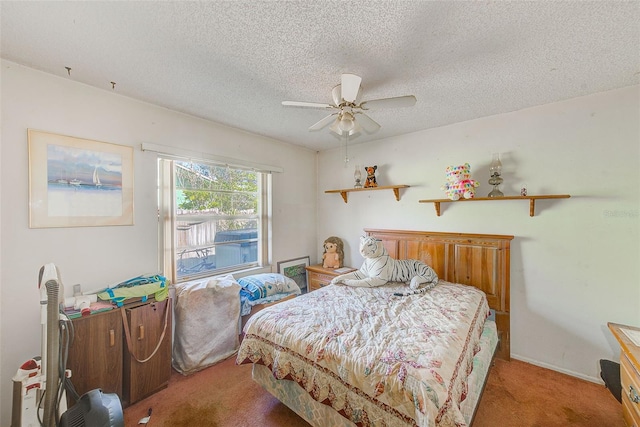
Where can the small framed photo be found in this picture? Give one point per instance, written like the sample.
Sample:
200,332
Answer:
76,182
296,270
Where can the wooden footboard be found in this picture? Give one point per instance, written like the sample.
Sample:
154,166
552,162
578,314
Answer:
479,260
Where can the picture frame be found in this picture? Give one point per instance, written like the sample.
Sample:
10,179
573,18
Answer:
296,270
75,182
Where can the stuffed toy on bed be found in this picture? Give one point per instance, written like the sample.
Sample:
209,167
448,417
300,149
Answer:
379,268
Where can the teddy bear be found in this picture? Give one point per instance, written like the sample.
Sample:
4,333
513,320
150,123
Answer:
371,176
459,183
333,253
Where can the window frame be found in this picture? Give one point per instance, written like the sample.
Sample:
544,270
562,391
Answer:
167,218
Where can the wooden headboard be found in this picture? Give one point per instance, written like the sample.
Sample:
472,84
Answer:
479,260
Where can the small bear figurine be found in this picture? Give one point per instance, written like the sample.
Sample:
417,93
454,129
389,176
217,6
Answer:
371,176
459,183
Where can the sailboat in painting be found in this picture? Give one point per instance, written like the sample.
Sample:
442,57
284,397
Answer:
96,178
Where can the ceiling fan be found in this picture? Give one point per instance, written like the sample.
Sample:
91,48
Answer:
348,115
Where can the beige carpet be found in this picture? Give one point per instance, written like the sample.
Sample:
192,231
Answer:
517,395
521,394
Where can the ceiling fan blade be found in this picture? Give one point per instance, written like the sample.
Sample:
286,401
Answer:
359,97
367,123
306,104
350,87
398,101
322,123
336,95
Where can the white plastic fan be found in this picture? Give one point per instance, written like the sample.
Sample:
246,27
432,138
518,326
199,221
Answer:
348,115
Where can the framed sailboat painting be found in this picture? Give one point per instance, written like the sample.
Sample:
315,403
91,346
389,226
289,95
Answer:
76,182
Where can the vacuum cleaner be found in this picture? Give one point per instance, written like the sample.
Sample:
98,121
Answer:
40,384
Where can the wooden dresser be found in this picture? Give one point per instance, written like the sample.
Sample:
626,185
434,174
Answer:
99,356
147,361
95,354
629,371
318,276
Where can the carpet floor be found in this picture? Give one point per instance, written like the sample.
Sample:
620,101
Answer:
517,394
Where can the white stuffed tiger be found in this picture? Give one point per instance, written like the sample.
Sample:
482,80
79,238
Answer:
379,268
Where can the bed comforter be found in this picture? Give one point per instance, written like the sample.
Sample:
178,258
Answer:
376,358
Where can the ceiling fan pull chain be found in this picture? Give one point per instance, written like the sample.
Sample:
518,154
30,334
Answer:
346,150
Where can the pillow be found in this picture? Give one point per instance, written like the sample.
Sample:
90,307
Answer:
263,285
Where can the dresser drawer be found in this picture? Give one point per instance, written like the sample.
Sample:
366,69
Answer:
630,378
316,280
323,278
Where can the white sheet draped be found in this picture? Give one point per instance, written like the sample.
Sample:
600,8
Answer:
206,323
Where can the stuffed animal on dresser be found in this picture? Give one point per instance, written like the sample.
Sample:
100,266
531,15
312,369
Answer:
333,252
459,183
371,176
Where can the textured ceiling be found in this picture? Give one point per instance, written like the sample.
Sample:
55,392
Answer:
233,62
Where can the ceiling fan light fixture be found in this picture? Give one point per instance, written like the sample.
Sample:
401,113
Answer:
347,122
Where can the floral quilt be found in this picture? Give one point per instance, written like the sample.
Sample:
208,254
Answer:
376,358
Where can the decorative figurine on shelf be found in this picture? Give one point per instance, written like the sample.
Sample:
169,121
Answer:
459,183
357,175
371,177
333,253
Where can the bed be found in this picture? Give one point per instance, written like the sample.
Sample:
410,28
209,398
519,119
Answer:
344,356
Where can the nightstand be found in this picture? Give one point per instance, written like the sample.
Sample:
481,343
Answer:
318,276
629,339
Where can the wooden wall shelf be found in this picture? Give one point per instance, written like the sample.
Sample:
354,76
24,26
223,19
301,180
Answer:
532,200
395,188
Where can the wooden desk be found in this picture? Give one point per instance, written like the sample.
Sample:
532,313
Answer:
629,372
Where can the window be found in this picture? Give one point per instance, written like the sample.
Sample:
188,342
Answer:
212,218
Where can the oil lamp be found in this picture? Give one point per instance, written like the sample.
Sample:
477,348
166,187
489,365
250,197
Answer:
496,171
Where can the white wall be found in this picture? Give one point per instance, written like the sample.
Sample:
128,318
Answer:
575,265
99,256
